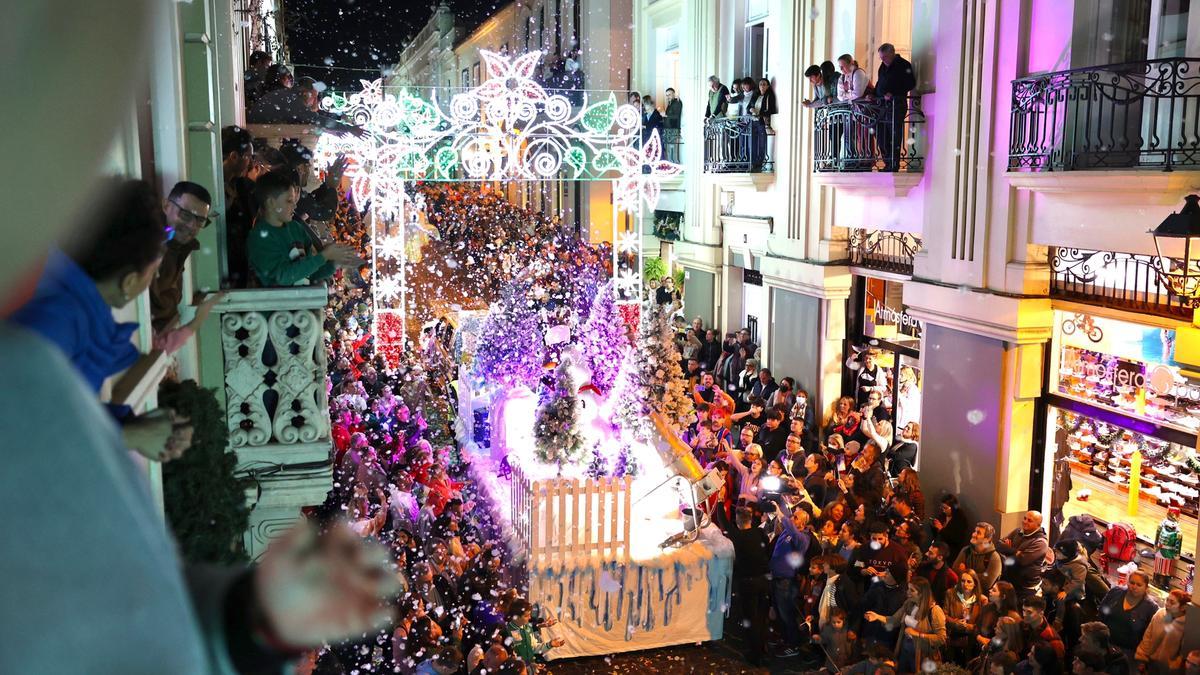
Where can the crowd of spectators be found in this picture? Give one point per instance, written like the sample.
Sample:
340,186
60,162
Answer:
843,559
274,95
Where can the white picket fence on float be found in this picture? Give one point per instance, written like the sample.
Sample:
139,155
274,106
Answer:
563,519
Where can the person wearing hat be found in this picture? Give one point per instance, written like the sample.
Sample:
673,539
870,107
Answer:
316,208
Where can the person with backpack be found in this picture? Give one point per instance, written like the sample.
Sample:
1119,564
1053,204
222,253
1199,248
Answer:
980,557
1070,560
1029,549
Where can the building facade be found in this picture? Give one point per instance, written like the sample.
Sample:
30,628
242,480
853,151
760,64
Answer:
1001,273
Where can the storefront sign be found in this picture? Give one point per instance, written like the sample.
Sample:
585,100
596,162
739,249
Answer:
887,315
752,277
1155,378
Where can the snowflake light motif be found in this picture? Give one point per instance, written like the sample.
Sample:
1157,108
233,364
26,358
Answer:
629,242
387,287
391,248
628,283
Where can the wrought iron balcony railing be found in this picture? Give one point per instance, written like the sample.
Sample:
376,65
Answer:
883,250
1144,114
870,136
1111,279
737,145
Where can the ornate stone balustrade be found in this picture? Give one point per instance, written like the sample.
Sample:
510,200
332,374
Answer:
276,404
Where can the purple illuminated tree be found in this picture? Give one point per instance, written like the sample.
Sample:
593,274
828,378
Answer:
511,347
603,340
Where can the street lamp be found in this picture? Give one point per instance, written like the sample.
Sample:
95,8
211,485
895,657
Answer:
1177,244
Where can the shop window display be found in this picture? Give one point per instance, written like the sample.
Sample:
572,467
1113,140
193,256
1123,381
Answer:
1127,370
1167,475
1120,443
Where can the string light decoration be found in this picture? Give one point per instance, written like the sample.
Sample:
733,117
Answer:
509,128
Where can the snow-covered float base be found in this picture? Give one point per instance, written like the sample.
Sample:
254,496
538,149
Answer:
676,597
655,598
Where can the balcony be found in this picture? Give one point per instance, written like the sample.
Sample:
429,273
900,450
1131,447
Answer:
863,136
1125,281
1140,115
884,251
737,145
276,403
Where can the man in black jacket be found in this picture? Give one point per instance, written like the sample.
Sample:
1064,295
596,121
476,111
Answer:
751,564
895,81
773,435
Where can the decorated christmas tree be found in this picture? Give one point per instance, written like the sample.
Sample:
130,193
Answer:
558,438
631,407
651,380
511,347
603,340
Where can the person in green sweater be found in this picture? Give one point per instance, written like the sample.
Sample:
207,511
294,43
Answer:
526,643
282,252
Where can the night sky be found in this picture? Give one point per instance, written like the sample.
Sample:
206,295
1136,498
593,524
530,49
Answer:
327,38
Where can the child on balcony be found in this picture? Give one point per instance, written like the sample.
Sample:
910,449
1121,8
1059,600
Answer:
282,252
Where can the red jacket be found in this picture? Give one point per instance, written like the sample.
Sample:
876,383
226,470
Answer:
1048,635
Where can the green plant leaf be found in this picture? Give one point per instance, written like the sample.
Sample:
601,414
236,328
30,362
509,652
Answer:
653,270
599,117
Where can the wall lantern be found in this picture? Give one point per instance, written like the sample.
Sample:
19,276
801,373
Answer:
1177,244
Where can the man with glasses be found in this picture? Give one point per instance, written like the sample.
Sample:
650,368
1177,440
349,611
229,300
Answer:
187,210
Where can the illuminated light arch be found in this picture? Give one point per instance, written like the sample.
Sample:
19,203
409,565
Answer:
509,128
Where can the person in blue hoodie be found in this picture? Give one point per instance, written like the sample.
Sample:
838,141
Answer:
788,558
72,305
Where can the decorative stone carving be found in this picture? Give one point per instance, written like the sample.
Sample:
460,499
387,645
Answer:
275,366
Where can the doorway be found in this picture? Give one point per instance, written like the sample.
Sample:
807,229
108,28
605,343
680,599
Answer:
756,51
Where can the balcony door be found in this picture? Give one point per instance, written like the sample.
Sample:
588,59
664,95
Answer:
1105,124
1174,33
887,21
1174,30
756,51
